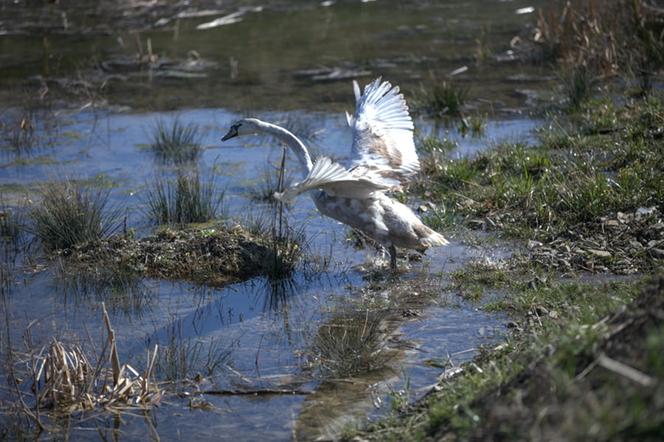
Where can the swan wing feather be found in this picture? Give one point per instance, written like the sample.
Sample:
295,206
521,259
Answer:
338,181
383,133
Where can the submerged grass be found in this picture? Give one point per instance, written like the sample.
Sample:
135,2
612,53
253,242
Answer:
70,214
29,127
187,199
350,343
12,225
116,281
183,359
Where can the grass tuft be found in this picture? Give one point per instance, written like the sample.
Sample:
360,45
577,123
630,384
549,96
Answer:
578,83
185,200
70,214
287,244
269,184
176,141
443,99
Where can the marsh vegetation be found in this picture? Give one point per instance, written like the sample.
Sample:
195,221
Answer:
267,321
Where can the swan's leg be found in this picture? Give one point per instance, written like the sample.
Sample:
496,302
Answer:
393,257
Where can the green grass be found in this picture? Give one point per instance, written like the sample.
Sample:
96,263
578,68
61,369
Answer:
604,160
70,214
472,280
184,200
268,184
175,141
185,359
431,144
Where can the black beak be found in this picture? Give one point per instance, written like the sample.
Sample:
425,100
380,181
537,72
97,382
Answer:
232,132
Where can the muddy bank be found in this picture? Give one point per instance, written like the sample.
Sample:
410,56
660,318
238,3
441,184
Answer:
211,256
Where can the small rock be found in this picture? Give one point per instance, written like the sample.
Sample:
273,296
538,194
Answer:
600,253
623,217
534,244
659,253
422,208
410,313
553,314
645,211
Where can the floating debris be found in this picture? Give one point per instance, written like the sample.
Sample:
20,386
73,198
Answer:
332,74
229,19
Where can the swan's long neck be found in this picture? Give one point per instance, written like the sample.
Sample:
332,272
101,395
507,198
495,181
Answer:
297,146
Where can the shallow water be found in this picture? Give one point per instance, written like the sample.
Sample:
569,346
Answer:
263,335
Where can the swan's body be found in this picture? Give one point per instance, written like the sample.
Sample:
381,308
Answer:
383,158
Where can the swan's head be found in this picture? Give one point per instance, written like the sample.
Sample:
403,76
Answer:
245,126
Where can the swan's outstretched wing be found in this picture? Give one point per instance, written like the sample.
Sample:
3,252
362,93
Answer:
334,179
383,133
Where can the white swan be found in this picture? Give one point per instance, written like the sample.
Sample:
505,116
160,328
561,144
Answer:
383,158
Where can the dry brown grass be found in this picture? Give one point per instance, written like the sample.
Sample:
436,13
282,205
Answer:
621,37
66,381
